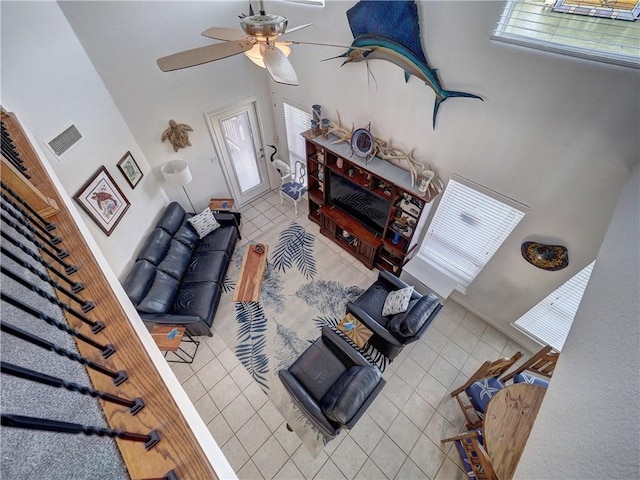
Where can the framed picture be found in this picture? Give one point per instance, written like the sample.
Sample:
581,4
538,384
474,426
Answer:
101,198
130,169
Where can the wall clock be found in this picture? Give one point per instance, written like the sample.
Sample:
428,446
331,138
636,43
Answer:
362,143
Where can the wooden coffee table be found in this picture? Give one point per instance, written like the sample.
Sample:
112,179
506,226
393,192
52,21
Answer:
251,273
355,330
169,338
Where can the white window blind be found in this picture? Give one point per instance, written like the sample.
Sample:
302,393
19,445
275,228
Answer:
296,121
469,226
550,320
575,27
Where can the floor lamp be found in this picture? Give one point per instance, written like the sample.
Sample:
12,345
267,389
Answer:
177,174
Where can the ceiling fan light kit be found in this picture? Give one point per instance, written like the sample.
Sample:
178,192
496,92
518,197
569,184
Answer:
258,40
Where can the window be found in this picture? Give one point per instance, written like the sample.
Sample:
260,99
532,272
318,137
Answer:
550,320
296,121
575,27
467,229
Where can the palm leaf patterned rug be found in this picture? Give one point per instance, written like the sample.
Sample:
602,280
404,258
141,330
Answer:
306,285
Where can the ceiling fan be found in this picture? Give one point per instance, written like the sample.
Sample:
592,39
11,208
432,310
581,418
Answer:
258,40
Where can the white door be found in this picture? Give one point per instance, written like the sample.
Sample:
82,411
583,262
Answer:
236,133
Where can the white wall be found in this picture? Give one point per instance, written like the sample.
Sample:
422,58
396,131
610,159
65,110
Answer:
49,82
556,133
124,39
588,425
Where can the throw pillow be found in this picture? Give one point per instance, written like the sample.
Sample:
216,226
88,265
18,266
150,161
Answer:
397,301
204,223
526,378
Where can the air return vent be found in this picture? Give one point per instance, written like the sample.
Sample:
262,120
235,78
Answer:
67,139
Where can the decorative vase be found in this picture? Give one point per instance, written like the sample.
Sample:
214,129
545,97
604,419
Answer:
317,112
396,238
339,163
424,184
325,128
315,128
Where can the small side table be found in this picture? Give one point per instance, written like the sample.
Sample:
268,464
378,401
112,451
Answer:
355,330
170,338
221,204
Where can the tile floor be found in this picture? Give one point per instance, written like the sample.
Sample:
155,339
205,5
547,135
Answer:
398,437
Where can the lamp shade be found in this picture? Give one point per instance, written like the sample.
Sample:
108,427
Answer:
176,173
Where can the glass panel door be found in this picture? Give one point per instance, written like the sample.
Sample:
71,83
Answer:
236,132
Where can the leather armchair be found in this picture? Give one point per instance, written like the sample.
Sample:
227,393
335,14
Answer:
392,333
332,383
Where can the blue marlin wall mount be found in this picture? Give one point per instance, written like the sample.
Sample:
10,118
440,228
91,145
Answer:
390,30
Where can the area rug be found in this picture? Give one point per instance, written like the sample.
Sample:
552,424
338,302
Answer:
306,285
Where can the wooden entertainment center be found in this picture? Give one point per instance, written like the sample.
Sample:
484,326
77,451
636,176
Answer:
401,214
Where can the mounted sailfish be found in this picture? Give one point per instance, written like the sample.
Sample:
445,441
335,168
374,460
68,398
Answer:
389,30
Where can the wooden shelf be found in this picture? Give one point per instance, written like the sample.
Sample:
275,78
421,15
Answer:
383,179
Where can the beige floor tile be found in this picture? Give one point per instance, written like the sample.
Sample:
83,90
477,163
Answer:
206,408
256,396
211,374
270,416
444,372
224,392
238,412
349,457
388,457
450,471
410,471
307,463
366,433
249,472
253,434
418,410
484,352
289,472
410,372
403,432
194,388
270,458
228,359
427,456
329,471
464,338
370,471
288,440
235,453
220,429
431,390
383,412
397,391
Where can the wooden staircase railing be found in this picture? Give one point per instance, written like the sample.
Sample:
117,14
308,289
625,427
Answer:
179,450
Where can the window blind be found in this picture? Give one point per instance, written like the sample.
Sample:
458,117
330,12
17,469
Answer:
469,226
572,27
296,121
550,320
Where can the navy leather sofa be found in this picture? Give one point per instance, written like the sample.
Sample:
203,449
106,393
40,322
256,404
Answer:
177,277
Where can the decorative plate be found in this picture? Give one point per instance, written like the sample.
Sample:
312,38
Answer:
546,257
362,142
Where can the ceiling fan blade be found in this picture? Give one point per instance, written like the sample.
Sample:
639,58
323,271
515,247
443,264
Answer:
222,33
278,65
295,29
200,55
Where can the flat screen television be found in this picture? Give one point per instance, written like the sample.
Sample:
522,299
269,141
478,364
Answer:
366,207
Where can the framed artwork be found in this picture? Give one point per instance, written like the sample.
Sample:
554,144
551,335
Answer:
101,198
130,169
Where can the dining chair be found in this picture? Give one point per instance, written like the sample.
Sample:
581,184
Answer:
475,459
480,387
542,363
292,183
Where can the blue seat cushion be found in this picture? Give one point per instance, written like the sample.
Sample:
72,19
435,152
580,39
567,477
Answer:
526,378
293,190
462,453
482,391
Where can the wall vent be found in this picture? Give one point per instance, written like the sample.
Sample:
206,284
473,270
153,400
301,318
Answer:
67,139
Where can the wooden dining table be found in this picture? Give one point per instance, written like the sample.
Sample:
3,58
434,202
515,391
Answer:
508,420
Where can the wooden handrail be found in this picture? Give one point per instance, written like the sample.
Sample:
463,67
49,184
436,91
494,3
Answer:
179,449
